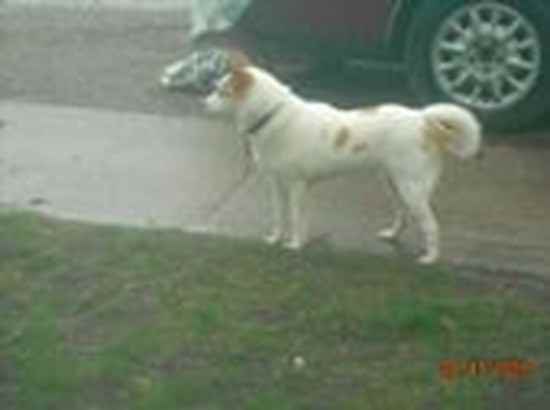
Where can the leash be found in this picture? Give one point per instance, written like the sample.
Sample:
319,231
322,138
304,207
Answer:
253,129
248,170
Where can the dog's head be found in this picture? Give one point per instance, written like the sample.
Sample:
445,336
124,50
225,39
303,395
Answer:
233,88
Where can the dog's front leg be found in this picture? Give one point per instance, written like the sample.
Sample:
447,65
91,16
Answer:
278,200
296,200
397,226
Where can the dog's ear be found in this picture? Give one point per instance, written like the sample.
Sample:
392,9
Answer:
238,60
241,82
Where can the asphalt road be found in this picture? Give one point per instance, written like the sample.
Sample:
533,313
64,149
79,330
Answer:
79,94
106,58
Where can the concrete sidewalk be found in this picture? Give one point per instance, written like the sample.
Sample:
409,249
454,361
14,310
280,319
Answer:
147,170
94,165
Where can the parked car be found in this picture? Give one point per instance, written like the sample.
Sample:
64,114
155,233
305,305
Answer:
492,56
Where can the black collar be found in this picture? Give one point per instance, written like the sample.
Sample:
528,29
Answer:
263,120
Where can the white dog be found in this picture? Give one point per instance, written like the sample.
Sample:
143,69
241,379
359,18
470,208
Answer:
297,142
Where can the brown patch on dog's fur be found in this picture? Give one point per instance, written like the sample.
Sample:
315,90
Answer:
360,147
238,60
437,135
241,81
342,138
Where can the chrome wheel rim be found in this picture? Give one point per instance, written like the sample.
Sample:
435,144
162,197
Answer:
487,56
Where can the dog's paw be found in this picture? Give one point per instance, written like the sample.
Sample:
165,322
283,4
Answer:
389,235
293,245
428,258
273,238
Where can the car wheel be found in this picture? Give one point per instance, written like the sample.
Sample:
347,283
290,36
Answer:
488,55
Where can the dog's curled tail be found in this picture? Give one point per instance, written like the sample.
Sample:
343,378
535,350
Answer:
452,129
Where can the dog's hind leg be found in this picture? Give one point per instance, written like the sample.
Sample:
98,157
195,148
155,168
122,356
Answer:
400,220
416,197
423,213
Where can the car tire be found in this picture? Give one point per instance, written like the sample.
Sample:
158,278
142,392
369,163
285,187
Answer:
486,55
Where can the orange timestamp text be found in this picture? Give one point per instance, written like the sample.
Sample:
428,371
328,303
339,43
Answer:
450,370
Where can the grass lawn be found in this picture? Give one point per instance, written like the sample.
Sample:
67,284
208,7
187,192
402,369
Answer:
100,318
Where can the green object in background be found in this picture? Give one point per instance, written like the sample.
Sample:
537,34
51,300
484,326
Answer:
215,15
